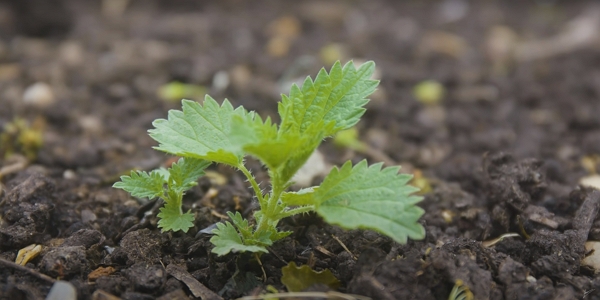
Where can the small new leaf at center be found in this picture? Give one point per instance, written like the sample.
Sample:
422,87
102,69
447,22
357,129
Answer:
226,239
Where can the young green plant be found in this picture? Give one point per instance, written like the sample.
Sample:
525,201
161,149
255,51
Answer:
168,185
359,196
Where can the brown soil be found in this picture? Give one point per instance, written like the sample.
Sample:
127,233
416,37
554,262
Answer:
503,151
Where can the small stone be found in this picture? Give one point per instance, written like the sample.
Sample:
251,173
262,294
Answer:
88,216
71,53
592,260
62,290
69,174
314,166
592,181
174,295
102,295
39,94
240,77
146,278
220,81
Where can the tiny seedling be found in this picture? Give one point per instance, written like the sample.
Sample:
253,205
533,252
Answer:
359,196
168,185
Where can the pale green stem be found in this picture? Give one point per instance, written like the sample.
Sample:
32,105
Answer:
269,211
295,211
254,184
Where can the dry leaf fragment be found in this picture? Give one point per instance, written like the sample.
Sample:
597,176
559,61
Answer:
297,279
99,272
28,253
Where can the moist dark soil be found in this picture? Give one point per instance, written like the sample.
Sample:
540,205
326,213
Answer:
502,152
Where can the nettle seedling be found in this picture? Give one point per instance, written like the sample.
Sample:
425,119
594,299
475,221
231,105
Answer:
359,196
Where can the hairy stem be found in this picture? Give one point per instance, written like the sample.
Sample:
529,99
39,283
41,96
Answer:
254,184
295,211
270,211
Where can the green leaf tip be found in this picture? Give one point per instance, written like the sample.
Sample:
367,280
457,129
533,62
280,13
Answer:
336,97
142,184
334,101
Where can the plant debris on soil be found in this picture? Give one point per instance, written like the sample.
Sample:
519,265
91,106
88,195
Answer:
499,149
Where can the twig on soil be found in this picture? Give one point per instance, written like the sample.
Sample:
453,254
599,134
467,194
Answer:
584,218
197,288
324,251
13,168
490,243
264,274
326,295
522,227
26,269
344,246
277,255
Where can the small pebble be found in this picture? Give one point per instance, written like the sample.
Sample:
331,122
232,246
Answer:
69,175
220,81
90,124
314,166
72,54
39,94
88,216
592,181
62,290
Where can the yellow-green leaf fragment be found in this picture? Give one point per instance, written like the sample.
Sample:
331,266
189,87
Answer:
349,139
460,292
175,91
28,253
429,92
297,279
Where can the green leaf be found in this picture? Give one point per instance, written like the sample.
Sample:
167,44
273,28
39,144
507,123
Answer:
260,139
241,224
283,154
371,198
276,236
297,279
200,131
337,97
226,239
171,218
142,185
185,173
311,139
301,197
